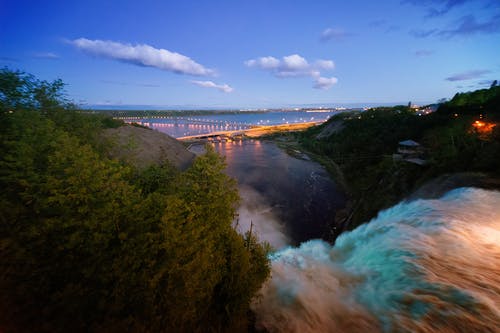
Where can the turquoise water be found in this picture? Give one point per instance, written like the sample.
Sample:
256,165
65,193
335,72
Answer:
420,266
195,125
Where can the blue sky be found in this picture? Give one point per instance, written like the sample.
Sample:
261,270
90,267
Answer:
248,54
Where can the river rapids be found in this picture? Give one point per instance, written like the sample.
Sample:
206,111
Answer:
420,266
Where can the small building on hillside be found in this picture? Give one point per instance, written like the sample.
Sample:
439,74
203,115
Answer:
410,151
426,110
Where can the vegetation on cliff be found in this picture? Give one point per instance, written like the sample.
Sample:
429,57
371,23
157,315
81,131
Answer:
89,243
463,135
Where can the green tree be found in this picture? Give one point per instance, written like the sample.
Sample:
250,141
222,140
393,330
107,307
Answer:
16,90
89,244
22,91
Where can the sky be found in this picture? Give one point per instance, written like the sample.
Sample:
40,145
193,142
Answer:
254,54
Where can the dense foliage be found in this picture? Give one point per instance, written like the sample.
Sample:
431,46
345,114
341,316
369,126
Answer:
89,244
475,102
364,143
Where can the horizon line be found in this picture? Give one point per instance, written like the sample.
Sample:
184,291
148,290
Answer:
164,107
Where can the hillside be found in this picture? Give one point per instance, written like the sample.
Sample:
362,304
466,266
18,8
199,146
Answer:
361,149
144,147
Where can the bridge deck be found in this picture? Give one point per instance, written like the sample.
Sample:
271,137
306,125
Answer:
254,131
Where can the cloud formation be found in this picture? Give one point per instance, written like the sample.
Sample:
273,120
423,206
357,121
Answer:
294,66
334,33
437,7
470,24
142,55
468,75
423,33
209,84
46,55
466,26
485,82
325,83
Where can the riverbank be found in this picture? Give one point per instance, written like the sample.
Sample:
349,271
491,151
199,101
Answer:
382,184
360,151
427,187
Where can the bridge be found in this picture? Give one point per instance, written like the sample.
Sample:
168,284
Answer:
217,136
185,120
254,131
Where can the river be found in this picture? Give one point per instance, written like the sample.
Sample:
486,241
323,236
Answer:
421,266
179,126
276,187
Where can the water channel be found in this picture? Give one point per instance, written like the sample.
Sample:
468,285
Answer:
287,200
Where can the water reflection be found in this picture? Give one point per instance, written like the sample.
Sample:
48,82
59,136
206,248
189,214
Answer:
180,126
298,193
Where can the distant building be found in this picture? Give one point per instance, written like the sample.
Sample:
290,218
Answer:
410,151
428,109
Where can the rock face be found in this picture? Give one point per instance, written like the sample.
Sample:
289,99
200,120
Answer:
437,187
331,128
144,147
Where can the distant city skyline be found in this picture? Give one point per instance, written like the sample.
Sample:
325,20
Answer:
258,54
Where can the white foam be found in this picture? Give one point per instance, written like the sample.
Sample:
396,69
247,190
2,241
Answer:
425,265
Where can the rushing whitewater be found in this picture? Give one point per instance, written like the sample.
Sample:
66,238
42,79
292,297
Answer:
421,266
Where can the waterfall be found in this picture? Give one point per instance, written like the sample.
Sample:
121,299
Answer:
420,266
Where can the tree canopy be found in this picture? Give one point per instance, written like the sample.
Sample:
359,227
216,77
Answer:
92,244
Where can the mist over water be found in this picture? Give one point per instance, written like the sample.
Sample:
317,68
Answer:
280,193
420,266
254,212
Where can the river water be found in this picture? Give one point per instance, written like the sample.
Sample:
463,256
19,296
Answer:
421,266
287,200
179,126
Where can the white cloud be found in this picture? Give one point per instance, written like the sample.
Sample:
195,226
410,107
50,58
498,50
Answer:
295,62
209,84
294,66
325,83
264,63
325,64
143,55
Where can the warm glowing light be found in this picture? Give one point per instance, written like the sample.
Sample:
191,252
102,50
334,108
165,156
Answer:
484,126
